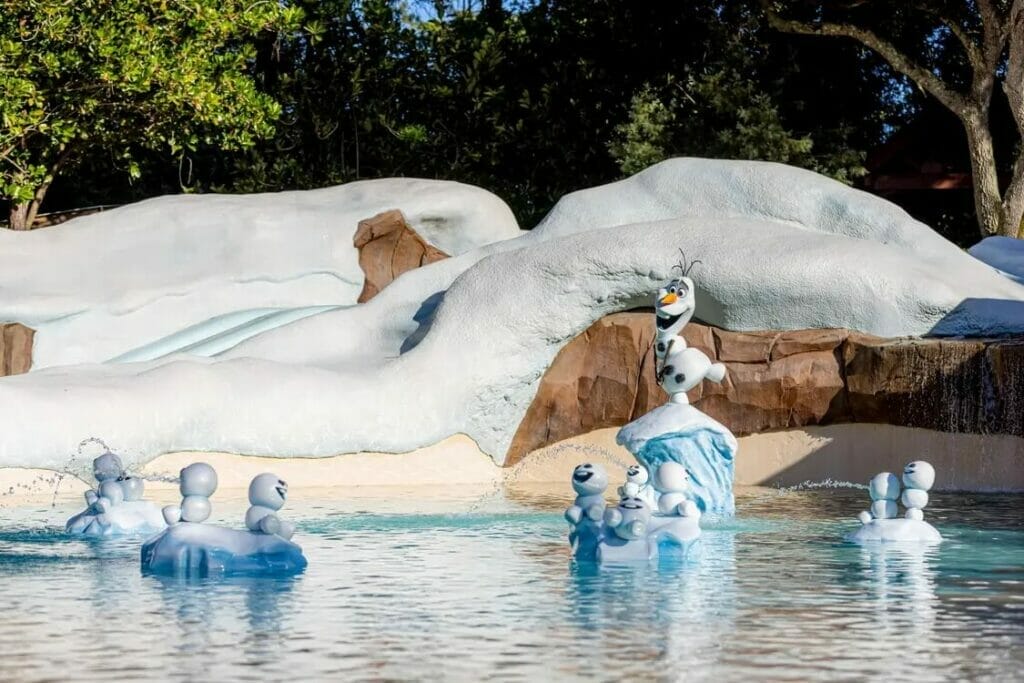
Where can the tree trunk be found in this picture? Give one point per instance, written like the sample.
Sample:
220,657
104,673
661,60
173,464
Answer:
23,214
1013,200
987,199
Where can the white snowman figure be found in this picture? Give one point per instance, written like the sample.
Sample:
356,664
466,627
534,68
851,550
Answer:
589,482
672,482
198,482
918,478
133,487
686,368
267,495
630,519
884,489
638,485
107,469
674,307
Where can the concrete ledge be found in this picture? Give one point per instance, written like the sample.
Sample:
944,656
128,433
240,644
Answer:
841,453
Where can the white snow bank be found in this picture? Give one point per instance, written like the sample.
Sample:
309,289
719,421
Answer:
102,286
1005,254
339,382
459,346
753,189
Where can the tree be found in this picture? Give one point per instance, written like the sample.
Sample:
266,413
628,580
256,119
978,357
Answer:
118,75
990,38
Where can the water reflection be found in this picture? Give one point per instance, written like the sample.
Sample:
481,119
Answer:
400,588
674,611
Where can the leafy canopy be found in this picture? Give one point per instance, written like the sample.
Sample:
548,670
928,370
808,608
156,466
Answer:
124,74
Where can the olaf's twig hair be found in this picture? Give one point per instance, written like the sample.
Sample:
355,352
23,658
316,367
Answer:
684,266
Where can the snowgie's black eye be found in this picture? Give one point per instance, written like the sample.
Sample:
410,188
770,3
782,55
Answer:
680,378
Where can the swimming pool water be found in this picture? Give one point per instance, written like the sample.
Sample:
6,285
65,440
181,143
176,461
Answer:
409,586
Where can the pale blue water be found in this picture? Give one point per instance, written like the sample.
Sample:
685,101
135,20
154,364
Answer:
416,588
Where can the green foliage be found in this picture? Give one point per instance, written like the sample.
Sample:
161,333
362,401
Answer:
528,99
642,140
125,75
732,117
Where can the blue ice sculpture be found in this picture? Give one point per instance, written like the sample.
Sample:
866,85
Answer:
191,548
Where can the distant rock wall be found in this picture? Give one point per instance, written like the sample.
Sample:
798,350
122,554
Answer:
779,380
15,348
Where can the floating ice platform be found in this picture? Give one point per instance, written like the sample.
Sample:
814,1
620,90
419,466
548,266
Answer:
201,550
666,536
896,530
128,517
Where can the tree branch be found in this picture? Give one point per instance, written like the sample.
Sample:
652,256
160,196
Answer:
974,53
932,84
1013,85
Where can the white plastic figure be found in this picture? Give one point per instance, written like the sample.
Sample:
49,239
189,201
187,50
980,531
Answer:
589,482
629,520
685,369
673,307
267,494
111,494
638,485
882,522
107,467
198,482
133,487
116,505
673,483
884,489
918,477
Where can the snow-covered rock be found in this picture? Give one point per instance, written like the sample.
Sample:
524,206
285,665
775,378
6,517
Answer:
678,432
1005,254
170,272
897,530
127,517
200,550
459,346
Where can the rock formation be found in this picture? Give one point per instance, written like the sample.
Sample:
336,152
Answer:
388,246
15,348
779,380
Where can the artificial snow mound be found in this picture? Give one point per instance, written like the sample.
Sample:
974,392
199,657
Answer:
1005,254
460,345
101,286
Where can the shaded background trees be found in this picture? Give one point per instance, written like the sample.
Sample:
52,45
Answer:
537,98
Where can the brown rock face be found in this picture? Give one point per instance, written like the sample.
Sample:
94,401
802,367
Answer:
778,380
15,348
388,247
602,378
